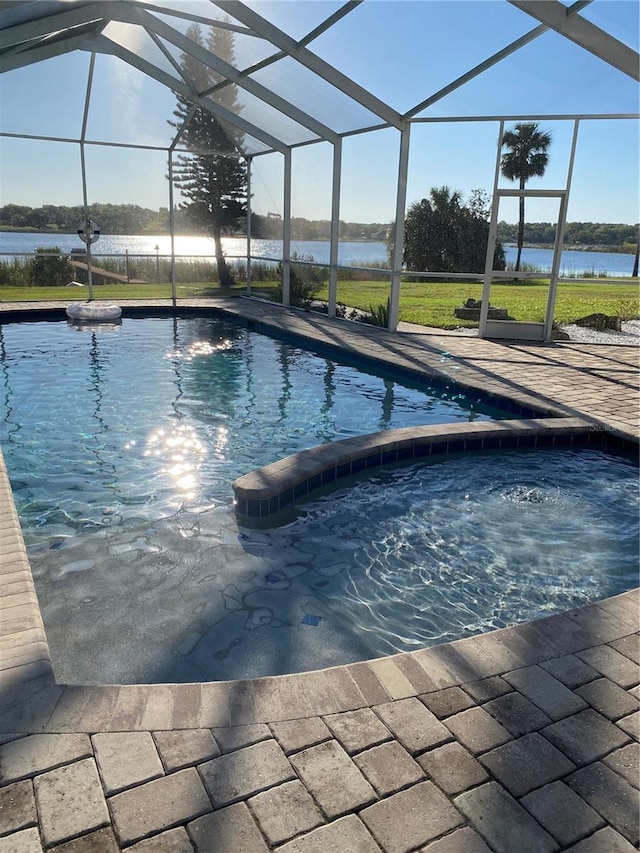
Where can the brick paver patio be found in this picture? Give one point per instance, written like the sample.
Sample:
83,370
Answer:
524,740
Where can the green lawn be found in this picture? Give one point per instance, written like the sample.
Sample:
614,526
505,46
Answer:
425,303
432,304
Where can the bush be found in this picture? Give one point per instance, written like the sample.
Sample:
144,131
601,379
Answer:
377,315
14,273
50,268
305,280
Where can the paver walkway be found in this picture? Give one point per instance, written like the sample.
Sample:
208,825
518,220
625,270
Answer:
524,739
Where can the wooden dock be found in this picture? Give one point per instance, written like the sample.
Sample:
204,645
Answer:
112,276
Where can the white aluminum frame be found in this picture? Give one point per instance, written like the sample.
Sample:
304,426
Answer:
80,25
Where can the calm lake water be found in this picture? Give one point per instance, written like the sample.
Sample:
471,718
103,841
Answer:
350,253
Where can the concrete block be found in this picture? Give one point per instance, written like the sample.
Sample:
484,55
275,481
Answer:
333,779
562,813
545,691
159,805
570,670
25,841
605,840
444,703
526,763
129,708
69,710
477,730
357,730
126,759
344,688
585,737
463,840
628,646
373,690
414,726
34,754
611,796
228,830
503,822
100,841
452,768
389,768
608,698
410,818
17,807
187,699
184,748
517,714
99,709
239,775
70,801
613,665
321,697
172,841
392,678
487,688
230,738
285,811
415,674
294,735
631,725
347,833
626,762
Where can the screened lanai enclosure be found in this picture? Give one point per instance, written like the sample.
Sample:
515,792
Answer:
335,113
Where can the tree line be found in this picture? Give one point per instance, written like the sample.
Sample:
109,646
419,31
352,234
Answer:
132,219
576,233
111,218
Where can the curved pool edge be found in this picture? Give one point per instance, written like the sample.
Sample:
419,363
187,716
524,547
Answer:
31,701
522,653
271,488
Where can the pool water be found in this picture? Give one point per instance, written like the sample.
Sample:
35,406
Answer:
101,424
121,446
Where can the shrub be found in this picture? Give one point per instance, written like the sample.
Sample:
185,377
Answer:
305,280
50,268
377,315
15,273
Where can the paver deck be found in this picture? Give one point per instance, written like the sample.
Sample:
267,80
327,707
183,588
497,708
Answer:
525,739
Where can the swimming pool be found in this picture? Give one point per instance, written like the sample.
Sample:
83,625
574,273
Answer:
121,446
100,424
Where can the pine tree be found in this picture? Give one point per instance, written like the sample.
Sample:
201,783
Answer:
212,176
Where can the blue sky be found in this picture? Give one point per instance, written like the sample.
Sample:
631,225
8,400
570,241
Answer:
402,51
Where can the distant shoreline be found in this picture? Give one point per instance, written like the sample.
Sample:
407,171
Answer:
604,249
578,247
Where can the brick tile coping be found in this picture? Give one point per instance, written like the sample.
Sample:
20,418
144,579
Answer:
269,489
24,651
38,705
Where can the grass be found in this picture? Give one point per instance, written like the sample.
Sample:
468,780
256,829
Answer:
424,303
433,304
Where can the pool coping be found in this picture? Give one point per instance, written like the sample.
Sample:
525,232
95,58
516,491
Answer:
271,488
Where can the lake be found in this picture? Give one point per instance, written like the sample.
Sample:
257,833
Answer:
351,253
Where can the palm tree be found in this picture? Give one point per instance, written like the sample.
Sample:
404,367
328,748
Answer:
526,157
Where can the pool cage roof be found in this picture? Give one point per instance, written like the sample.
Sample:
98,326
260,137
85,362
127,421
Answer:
279,76
288,58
